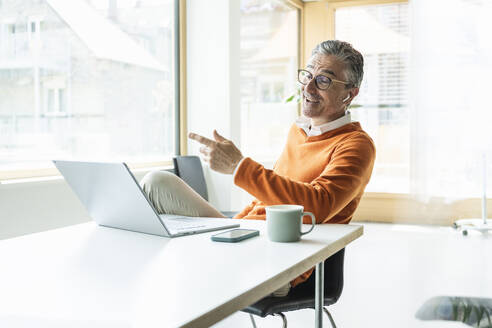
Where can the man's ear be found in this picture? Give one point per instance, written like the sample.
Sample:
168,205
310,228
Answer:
353,93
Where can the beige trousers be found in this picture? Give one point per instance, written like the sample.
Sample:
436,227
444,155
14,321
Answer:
169,194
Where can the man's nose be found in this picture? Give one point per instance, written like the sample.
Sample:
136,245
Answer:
311,86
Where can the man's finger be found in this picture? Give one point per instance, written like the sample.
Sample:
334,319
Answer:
204,150
218,137
201,139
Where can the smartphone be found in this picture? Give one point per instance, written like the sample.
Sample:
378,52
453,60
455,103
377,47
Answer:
235,235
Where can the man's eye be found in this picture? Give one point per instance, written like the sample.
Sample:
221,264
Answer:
323,80
307,74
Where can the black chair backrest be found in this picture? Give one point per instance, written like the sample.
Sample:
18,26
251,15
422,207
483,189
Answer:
333,282
334,274
189,168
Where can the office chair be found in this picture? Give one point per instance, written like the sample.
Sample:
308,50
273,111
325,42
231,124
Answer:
302,296
189,168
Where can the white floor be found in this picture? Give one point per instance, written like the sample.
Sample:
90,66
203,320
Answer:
392,270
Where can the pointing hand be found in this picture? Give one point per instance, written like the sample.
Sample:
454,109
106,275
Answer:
221,155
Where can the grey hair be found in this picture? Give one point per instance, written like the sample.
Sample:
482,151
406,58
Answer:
348,55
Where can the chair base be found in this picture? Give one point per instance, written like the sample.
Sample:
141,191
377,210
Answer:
284,319
252,320
330,317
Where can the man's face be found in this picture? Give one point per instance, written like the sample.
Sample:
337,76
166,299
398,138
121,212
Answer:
323,106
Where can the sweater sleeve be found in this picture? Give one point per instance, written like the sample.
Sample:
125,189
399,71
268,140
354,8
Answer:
343,179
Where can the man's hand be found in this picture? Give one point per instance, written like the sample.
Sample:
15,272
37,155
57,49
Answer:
221,155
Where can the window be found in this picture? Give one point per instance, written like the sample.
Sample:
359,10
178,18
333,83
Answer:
269,62
33,36
434,145
55,102
100,85
8,37
11,29
381,33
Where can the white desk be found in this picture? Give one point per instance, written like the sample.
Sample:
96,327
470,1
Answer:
91,276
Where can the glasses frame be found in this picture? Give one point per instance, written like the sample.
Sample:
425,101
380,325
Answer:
299,71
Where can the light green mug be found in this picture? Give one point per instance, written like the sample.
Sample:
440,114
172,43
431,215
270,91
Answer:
284,222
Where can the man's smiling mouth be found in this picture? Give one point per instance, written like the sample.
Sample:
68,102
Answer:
310,100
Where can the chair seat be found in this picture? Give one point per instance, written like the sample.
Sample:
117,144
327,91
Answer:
272,305
302,296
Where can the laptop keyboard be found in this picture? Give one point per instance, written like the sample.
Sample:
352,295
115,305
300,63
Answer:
183,223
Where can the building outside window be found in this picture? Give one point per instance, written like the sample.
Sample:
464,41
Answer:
99,84
268,67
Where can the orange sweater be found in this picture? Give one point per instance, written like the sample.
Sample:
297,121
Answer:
326,174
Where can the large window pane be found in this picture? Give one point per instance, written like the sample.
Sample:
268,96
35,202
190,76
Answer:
381,33
269,62
86,79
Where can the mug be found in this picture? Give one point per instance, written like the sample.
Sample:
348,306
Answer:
284,222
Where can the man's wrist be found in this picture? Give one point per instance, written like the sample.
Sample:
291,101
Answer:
237,166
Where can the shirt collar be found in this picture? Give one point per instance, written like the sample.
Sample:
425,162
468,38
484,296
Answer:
305,124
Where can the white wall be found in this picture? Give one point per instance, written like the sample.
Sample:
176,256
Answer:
27,207
34,205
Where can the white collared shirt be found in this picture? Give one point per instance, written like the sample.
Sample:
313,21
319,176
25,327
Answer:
305,124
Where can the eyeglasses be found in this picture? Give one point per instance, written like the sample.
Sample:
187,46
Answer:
322,82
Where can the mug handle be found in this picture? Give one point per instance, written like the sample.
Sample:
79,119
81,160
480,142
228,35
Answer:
313,222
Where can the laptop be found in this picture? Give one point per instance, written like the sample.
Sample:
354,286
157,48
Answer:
113,198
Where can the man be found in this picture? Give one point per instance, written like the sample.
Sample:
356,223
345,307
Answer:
325,165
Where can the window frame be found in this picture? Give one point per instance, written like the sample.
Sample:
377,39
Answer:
380,206
180,80
299,5
377,206
332,7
